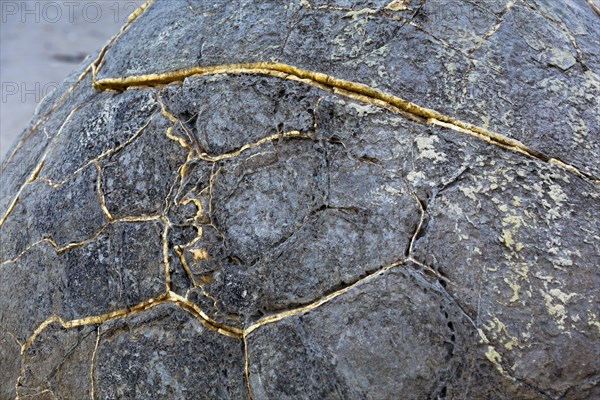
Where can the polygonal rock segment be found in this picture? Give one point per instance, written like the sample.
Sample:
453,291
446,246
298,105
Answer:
30,291
33,142
396,333
117,270
138,179
462,25
58,362
67,214
10,352
260,201
578,20
228,112
536,91
391,154
167,353
333,249
96,128
123,267
521,242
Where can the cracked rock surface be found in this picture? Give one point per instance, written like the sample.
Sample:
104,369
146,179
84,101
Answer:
325,199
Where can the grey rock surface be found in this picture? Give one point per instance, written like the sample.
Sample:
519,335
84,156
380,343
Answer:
337,200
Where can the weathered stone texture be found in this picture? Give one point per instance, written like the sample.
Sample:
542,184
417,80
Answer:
313,199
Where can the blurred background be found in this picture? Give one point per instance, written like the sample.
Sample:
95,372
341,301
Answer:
41,42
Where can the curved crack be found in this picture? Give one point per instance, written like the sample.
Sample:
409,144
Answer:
166,298
62,249
594,7
37,169
165,249
323,300
95,160
100,190
92,393
250,146
354,90
494,29
99,62
247,367
93,320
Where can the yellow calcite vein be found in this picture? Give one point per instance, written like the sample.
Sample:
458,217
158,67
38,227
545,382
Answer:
309,307
36,171
59,250
92,389
168,297
100,190
247,367
343,87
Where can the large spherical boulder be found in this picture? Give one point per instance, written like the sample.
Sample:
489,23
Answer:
312,200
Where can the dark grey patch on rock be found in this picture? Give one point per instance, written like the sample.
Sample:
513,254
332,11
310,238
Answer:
33,283
181,282
45,212
345,6
137,179
258,204
166,352
412,157
397,333
259,201
115,271
483,233
105,123
10,353
58,363
220,109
